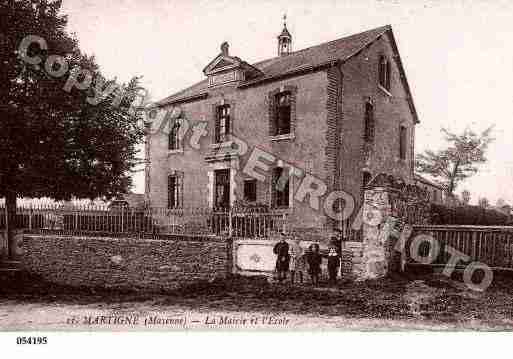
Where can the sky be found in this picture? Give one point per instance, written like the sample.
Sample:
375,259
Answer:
458,55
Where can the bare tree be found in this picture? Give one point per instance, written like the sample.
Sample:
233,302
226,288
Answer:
452,165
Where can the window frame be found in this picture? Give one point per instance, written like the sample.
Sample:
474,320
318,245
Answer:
280,109
174,143
175,195
253,183
384,73
403,142
220,116
369,122
277,129
280,199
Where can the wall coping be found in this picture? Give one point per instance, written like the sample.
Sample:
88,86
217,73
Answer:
172,238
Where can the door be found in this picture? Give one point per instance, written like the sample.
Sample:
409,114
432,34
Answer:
222,189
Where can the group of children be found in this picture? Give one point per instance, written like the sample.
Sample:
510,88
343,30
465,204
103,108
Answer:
295,259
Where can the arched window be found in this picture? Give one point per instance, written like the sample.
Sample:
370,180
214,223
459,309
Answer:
368,134
384,72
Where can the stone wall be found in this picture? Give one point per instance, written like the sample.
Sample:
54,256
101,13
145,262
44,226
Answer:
126,263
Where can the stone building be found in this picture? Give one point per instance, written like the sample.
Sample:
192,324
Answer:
324,119
435,192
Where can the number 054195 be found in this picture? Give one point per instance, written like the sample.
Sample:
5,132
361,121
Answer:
31,340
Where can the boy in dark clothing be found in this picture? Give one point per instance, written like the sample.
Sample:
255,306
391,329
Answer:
333,265
314,260
281,249
333,259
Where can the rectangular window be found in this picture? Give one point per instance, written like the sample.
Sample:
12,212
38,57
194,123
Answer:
368,134
402,142
280,188
366,179
250,190
174,138
384,73
222,188
222,130
282,112
174,191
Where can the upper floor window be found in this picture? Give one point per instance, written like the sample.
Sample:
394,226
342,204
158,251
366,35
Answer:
384,72
368,134
403,137
282,113
222,128
280,188
174,137
174,191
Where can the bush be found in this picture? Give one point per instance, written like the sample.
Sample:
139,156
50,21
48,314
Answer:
467,215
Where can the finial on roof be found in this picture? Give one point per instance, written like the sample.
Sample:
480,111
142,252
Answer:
225,48
285,20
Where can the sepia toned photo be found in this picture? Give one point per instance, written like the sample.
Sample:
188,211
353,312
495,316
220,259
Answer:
173,165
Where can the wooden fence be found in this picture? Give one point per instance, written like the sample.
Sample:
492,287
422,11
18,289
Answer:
491,245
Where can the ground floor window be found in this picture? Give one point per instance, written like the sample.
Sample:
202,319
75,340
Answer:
280,188
175,191
250,190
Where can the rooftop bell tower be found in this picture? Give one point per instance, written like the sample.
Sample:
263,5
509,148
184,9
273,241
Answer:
284,40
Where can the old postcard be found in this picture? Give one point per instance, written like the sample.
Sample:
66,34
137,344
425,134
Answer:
175,165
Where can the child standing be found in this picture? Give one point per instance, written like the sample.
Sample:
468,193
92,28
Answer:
281,249
296,261
333,264
314,263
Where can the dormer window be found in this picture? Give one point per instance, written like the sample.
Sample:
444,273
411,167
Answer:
222,128
384,72
282,113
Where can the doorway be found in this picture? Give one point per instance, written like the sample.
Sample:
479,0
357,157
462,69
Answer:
222,188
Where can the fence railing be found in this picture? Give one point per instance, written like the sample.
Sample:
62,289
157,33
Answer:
492,245
101,220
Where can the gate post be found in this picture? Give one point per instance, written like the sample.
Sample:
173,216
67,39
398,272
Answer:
376,228
230,226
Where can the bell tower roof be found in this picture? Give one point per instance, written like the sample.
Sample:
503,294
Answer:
285,32
284,39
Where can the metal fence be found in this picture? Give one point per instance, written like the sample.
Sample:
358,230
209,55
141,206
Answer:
492,245
105,220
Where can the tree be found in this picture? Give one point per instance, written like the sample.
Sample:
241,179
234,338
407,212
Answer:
450,166
483,202
61,134
465,197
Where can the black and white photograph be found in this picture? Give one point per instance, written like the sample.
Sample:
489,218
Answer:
255,166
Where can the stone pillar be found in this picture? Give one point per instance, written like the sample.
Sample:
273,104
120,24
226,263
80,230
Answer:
377,256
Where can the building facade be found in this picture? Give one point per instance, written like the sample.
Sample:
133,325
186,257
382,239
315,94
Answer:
299,132
435,192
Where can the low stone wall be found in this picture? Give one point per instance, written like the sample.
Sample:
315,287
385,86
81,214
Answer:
126,263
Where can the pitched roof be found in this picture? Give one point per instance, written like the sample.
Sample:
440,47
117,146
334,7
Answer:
310,58
428,182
